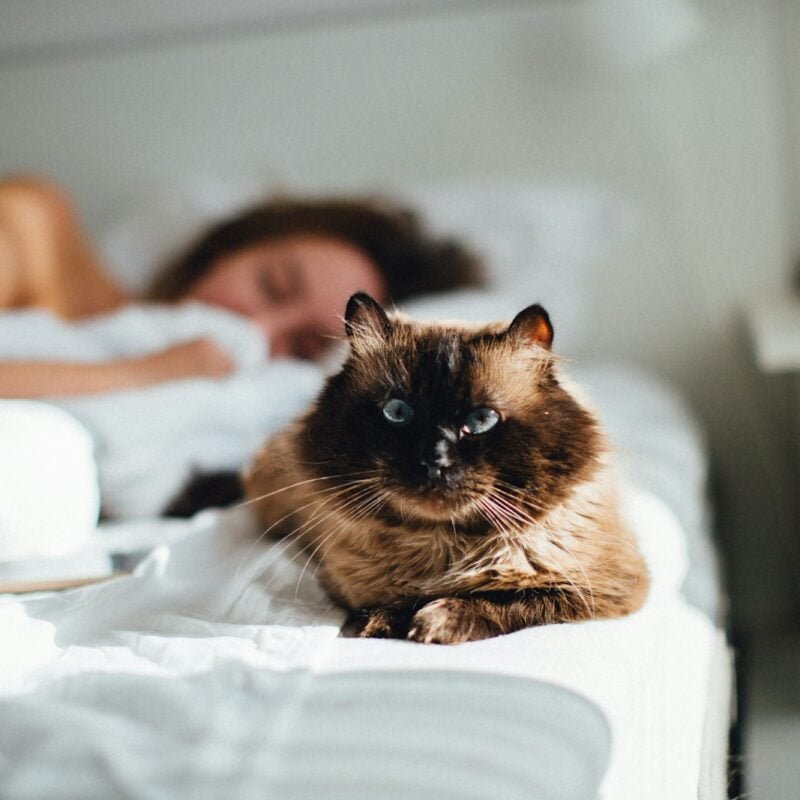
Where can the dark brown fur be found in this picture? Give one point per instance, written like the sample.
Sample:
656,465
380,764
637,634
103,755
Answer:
429,532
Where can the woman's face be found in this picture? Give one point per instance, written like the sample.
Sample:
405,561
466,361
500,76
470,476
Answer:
295,289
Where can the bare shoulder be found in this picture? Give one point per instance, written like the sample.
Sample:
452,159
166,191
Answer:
46,258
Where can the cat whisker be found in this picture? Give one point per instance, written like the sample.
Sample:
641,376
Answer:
503,514
274,553
563,546
591,609
360,497
331,491
491,515
357,512
332,534
289,539
301,483
512,512
496,519
578,591
519,495
316,520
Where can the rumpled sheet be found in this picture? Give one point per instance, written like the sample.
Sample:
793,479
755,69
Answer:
208,671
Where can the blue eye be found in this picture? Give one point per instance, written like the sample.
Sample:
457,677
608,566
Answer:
480,420
398,412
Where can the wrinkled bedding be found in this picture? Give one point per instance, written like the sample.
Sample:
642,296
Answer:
211,666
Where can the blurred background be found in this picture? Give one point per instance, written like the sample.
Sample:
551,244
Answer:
680,119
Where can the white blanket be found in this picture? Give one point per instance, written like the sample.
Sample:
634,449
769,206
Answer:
147,441
168,684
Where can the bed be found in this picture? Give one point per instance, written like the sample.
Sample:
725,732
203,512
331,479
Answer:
216,667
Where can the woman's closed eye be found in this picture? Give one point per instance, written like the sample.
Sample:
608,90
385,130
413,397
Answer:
280,283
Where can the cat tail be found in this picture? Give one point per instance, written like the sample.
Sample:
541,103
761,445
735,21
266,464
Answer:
206,490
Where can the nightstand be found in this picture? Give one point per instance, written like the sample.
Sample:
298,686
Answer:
775,329
773,698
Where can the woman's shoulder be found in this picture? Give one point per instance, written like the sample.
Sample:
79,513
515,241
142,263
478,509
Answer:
46,258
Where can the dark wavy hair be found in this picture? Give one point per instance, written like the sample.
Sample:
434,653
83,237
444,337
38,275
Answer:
411,260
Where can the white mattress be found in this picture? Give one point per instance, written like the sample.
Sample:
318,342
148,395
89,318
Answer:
661,448
217,668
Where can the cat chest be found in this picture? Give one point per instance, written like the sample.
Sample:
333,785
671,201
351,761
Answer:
406,565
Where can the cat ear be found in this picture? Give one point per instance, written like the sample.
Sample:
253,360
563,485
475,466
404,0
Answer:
532,326
365,317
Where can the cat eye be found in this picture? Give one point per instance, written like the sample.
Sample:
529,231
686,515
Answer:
398,412
480,420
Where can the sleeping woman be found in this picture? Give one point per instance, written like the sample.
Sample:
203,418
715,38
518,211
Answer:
288,265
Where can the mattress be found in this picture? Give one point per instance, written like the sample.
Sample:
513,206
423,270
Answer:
217,668
661,447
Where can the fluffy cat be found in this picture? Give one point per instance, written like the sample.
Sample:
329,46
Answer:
449,485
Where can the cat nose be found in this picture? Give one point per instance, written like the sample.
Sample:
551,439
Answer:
438,463
434,470
437,473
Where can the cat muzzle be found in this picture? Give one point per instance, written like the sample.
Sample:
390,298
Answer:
439,475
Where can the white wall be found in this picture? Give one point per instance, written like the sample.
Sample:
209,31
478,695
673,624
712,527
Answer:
788,27
695,147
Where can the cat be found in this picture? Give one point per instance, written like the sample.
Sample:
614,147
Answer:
449,485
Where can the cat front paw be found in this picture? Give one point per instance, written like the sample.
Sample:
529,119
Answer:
377,623
450,620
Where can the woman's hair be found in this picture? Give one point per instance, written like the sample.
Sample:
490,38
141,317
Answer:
410,259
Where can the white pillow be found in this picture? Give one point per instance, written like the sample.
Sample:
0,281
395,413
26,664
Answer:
148,231
539,243
49,494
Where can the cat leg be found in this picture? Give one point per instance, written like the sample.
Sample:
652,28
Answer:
483,615
382,622
451,620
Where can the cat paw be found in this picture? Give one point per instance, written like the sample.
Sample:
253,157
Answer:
376,623
450,620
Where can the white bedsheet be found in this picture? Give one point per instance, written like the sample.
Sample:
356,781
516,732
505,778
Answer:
214,665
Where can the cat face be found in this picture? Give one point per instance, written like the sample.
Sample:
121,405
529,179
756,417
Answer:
450,422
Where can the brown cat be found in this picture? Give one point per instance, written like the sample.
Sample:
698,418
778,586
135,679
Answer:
449,485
